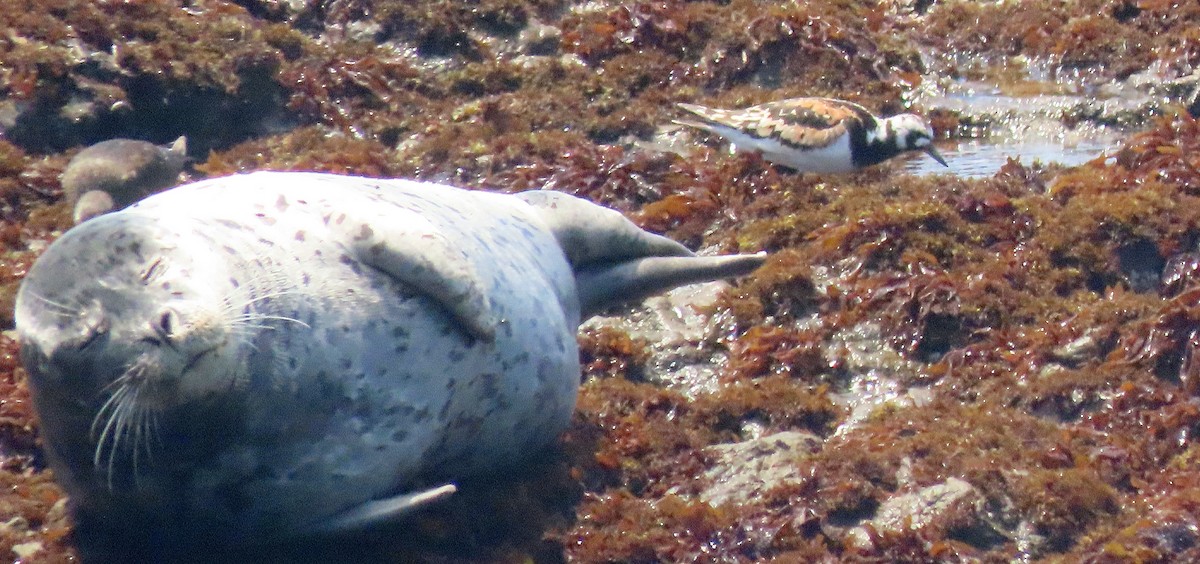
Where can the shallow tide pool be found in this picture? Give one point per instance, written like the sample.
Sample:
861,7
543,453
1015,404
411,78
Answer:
1026,124
978,158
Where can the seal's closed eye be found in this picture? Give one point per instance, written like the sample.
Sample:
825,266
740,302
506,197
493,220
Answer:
156,268
165,326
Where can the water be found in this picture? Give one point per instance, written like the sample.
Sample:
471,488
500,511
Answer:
1027,123
979,158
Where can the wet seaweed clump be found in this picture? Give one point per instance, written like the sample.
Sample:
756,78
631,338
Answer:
1169,345
311,148
37,527
85,72
607,351
926,369
1097,38
624,528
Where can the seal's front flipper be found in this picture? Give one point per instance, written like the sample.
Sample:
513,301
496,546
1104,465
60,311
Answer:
379,511
417,254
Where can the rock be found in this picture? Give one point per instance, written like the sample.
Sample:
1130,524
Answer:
953,505
743,471
539,39
681,334
27,550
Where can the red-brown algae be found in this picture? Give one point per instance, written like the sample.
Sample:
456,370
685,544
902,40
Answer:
1062,384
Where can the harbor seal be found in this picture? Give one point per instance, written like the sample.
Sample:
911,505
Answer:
273,355
116,173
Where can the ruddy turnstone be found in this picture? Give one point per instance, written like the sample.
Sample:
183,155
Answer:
816,134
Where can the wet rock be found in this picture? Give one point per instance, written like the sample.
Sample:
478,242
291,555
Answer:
1078,351
1193,103
539,39
1179,273
679,329
952,508
9,111
1090,346
1171,537
27,538
875,374
363,30
27,550
743,471
278,10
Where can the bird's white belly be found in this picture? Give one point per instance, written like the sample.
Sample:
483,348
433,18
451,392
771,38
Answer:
835,157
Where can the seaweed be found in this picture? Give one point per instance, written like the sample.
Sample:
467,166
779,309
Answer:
1041,323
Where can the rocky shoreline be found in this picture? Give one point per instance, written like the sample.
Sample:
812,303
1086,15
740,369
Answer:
928,369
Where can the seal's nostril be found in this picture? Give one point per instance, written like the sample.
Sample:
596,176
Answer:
94,329
89,339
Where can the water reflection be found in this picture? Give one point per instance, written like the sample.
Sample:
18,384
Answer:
978,158
1030,120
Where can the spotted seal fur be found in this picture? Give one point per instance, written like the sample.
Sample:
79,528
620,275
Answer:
275,354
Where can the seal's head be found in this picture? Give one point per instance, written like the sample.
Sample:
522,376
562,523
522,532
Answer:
116,173
122,320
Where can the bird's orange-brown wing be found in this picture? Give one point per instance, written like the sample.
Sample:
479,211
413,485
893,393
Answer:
799,122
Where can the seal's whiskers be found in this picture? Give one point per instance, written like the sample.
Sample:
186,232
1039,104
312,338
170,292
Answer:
109,403
113,422
141,432
243,319
123,418
56,308
126,408
229,306
246,320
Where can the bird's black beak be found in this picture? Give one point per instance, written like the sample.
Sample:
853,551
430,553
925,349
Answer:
933,152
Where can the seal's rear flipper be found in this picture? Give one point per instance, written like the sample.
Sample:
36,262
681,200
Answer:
604,286
590,234
379,511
